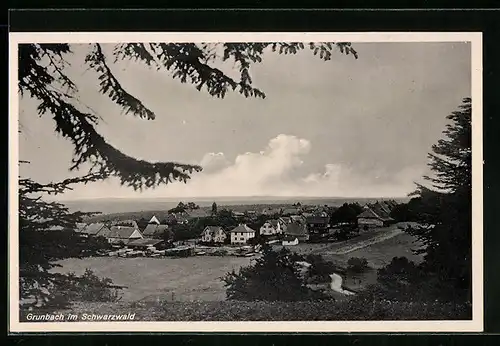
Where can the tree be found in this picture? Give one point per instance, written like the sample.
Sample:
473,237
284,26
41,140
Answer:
346,213
192,206
273,277
320,269
357,265
46,235
214,209
42,74
445,208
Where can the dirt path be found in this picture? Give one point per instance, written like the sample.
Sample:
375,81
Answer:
364,243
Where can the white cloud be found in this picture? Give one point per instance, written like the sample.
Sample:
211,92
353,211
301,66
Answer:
269,173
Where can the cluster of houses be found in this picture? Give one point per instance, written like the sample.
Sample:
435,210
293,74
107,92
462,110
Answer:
376,215
289,226
291,231
127,233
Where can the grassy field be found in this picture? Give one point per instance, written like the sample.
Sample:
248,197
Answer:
378,246
178,279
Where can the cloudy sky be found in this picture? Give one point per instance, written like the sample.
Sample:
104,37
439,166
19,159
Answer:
344,128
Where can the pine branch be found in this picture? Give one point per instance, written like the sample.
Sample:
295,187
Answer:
28,186
187,62
111,87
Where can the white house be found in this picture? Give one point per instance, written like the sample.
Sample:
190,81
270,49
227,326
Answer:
213,234
290,241
271,227
241,234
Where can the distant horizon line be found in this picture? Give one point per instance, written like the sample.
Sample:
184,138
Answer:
230,197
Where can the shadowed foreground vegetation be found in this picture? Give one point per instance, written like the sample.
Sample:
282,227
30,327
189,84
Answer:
280,311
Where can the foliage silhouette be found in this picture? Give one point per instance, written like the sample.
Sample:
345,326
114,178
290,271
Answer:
445,208
42,75
47,234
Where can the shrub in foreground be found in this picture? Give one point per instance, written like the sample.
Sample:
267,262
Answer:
357,265
273,277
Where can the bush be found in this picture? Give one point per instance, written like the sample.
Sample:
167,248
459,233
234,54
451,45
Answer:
91,288
320,269
273,277
357,265
403,280
66,289
351,310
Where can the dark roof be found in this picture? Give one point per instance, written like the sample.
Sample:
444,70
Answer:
80,226
295,229
375,212
382,209
271,211
273,223
144,242
242,229
297,218
125,223
197,213
94,228
154,229
289,238
285,219
368,213
291,211
121,232
320,220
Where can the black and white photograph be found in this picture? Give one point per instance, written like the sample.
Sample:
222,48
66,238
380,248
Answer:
245,182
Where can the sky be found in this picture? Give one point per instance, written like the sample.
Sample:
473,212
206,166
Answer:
340,128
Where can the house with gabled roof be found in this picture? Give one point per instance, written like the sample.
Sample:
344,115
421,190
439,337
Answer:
146,243
241,234
154,230
95,229
122,234
298,218
80,226
290,241
125,223
271,227
375,215
213,234
154,220
297,230
318,224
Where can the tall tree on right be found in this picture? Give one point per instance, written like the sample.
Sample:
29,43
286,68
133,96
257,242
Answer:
446,206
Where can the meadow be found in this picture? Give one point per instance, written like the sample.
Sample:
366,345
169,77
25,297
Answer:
177,279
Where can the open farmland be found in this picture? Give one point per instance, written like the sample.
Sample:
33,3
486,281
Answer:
179,279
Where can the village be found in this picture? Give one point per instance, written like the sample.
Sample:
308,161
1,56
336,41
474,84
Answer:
189,230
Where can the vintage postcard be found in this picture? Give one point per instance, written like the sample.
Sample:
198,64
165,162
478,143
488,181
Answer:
245,182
